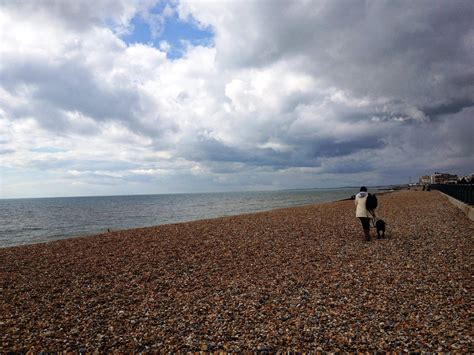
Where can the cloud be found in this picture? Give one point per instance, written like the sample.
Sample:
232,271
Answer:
81,14
287,94
448,107
414,52
6,151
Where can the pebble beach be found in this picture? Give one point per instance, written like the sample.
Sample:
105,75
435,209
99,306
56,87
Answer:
294,279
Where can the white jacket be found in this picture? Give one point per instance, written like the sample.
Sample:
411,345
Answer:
359,201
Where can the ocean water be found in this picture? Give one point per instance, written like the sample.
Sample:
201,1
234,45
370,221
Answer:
26,221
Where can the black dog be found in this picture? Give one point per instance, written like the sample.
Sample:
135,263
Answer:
380,225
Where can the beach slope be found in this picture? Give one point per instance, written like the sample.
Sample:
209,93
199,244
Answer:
290,279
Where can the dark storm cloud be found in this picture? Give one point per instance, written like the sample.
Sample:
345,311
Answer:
453,106
348,167
328,147
304,153
207,149
204,149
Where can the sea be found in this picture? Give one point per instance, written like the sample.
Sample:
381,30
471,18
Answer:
38,220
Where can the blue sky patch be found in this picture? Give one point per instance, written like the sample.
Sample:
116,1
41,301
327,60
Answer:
174,31
48,150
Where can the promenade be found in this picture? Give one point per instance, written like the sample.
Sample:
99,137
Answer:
290,279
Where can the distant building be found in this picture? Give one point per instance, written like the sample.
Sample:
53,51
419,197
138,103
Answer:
468,179
425,179
443,178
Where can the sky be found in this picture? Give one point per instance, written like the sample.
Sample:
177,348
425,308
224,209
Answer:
113,97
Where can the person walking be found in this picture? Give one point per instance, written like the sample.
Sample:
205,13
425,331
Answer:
362,213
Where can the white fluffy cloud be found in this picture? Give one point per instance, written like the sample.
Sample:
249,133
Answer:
290,94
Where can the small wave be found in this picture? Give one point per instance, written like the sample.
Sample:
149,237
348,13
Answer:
32,229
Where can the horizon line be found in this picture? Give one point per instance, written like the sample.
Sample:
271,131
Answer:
199,192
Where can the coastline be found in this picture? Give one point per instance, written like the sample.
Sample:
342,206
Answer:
64,218
297,278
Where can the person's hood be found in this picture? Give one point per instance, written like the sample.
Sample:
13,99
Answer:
362,194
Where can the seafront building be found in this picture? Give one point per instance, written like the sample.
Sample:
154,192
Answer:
469,179
425,179
443,178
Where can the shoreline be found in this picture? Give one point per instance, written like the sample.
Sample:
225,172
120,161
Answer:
292,279
91,234
170,224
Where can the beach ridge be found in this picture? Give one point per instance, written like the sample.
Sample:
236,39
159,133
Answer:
298,278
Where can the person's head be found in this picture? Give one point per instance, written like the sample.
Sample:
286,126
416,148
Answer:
363,189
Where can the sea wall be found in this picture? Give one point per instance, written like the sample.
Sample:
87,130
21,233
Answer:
464,207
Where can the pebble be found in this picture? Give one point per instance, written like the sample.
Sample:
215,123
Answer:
295,279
